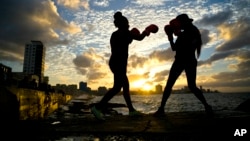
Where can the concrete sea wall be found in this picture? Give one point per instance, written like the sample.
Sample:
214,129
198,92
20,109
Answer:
26,104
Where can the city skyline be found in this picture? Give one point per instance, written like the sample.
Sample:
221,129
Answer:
76,36
158,89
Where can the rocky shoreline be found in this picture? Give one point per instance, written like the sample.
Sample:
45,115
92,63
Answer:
193,125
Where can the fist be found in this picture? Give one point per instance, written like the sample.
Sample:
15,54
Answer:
152,28
135,32
169,30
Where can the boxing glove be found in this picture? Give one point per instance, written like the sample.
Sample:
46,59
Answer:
169,30
152,28
175,24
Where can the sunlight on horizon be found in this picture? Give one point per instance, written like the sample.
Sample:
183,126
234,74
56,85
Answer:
141,85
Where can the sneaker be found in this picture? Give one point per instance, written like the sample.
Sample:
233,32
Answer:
98,114
135,113
160,112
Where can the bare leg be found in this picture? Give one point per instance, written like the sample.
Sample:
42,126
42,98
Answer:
112,92
191,78
175,72
126,93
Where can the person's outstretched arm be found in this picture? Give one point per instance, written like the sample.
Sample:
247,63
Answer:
136,35
140,36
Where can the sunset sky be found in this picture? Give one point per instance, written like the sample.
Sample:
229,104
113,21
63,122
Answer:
76,34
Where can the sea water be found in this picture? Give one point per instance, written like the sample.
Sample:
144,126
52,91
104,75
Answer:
180,102
176,103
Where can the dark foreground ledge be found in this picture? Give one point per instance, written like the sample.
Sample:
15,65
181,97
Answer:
174,126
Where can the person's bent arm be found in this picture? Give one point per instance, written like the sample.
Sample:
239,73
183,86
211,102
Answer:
141,36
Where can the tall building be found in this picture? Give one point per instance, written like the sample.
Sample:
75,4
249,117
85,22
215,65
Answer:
83,86
34,59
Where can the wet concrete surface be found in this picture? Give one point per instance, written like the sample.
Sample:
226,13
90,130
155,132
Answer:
191,126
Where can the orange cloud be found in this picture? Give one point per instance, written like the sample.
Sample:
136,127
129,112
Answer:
230,31
225,32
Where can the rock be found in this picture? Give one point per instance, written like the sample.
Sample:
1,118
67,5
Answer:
244,106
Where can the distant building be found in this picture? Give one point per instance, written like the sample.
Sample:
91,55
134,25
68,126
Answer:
71,89
67,89
158,89
102,90
186,89
46,79
83,86
5,74
18,76
5,69
34,59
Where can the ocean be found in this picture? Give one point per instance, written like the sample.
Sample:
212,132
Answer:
179,102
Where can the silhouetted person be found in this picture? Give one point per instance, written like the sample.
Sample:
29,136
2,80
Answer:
187,43
120,40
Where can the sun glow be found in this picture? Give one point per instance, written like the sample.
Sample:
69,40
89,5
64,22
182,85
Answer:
141,85
146,87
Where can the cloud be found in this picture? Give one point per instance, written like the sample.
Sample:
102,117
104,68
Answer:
239,77
235,38
139,79
137,61
236,35
83,61
87,59
101,3
57,24
75,4
238,74
150,2
153,54
161,76
205,36
162,55
28,20
215,19
89,64
95,75
216,57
